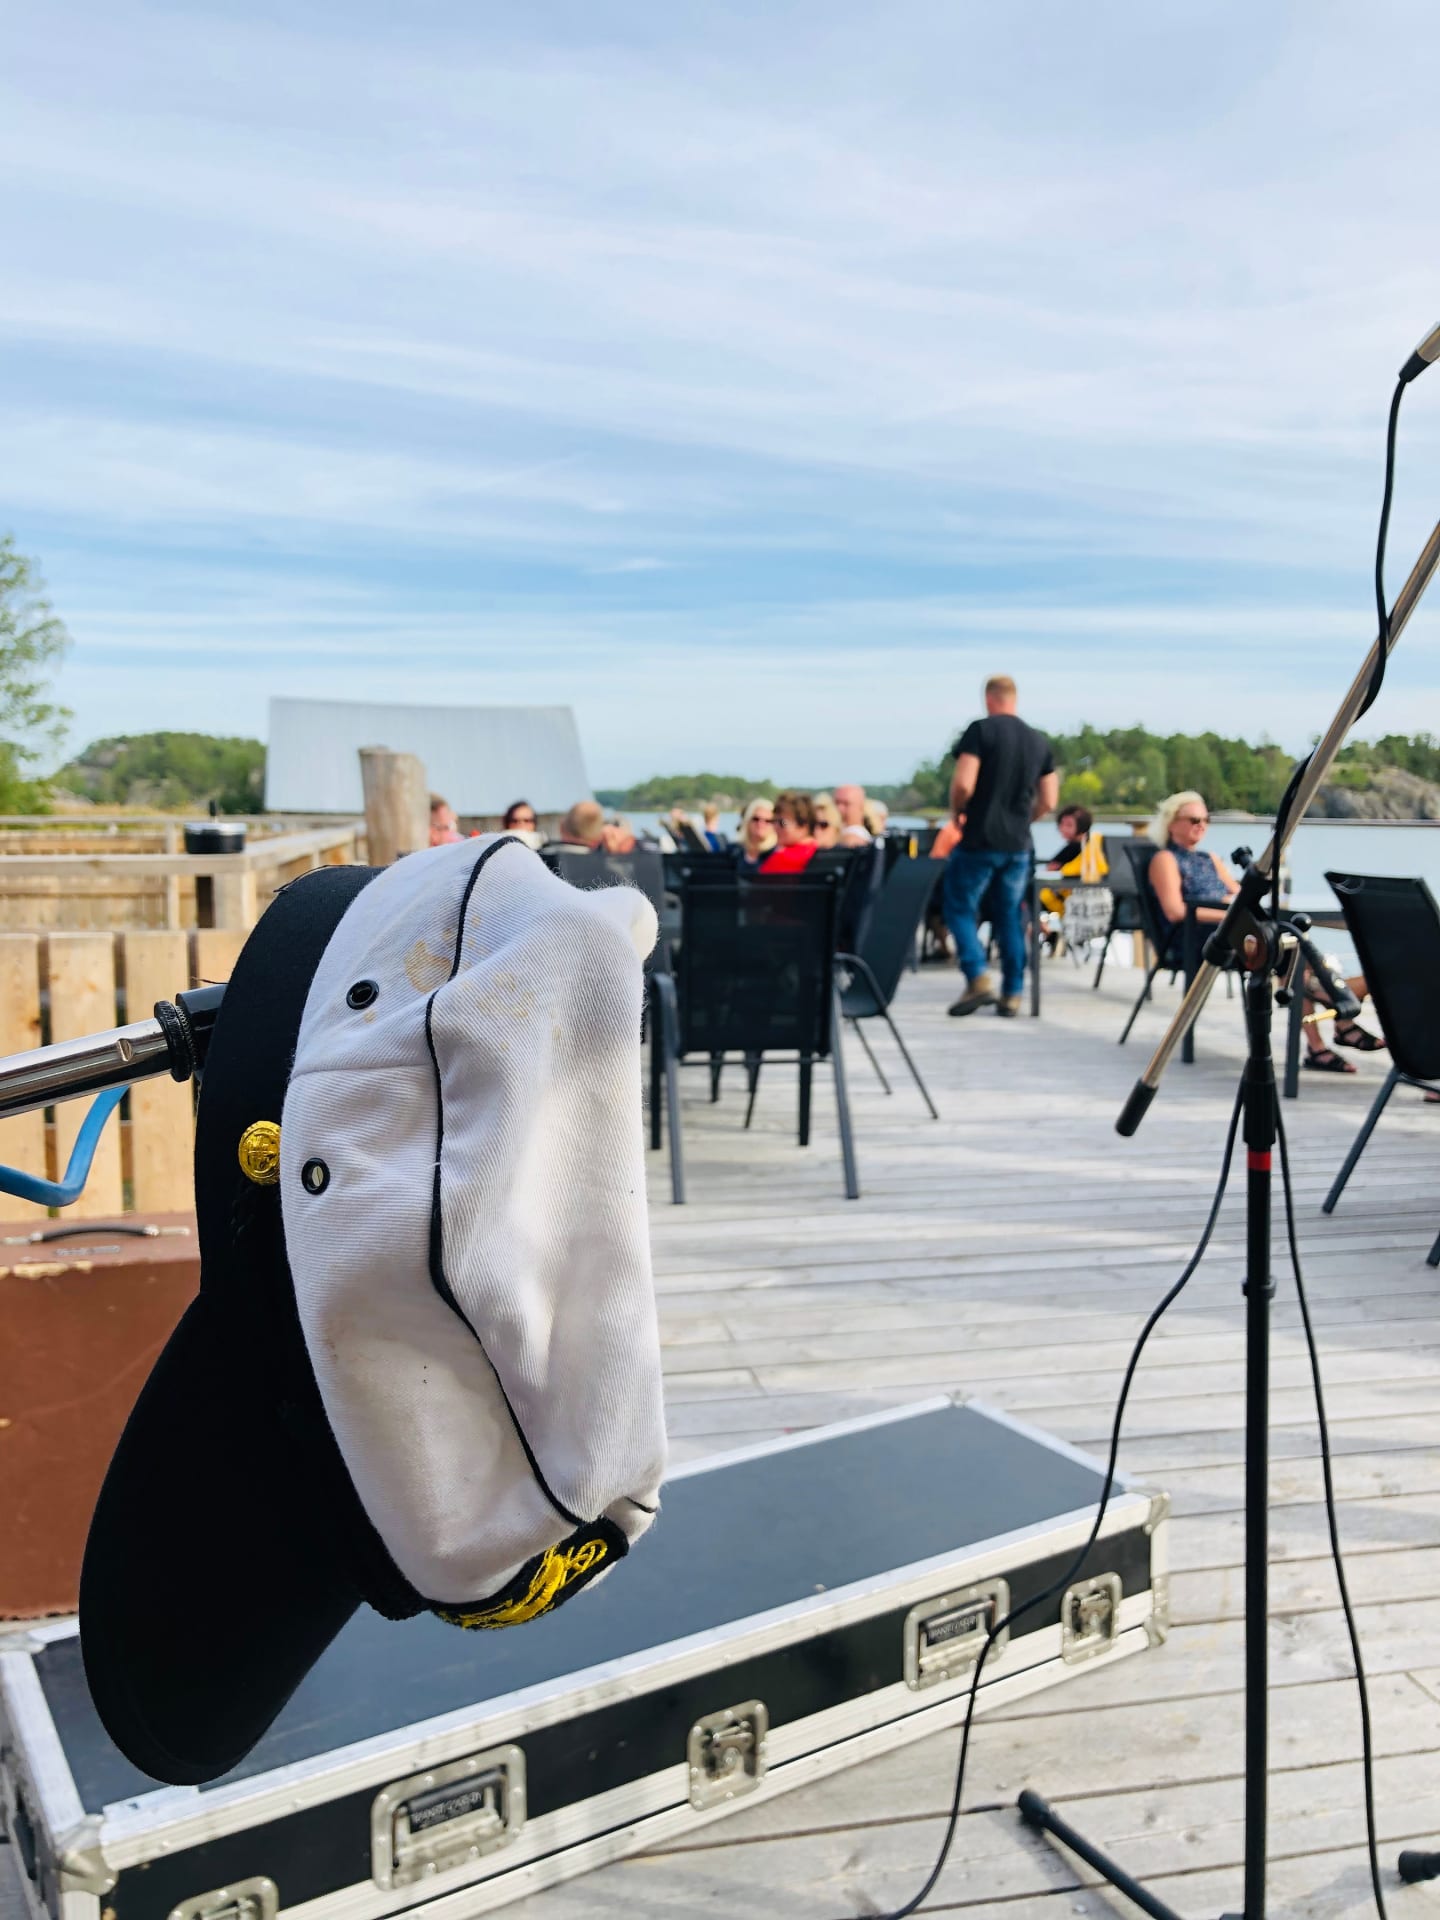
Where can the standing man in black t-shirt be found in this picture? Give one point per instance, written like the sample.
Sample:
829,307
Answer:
1004,778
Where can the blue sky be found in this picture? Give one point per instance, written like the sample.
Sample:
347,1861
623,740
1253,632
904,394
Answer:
755,379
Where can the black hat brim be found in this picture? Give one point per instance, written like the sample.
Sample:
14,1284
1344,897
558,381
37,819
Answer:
204,1598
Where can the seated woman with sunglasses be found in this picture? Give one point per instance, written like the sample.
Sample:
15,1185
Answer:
796,845
757,833
1182,873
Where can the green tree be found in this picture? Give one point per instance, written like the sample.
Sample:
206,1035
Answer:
33,641
169,771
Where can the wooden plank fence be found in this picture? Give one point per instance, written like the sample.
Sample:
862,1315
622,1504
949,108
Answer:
62,986
65,883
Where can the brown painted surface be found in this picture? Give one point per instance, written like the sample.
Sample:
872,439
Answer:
81,1322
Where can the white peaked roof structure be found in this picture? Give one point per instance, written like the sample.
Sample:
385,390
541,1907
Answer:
480,758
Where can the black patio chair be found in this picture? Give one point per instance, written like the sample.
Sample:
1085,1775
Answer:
1175,943
707,861
862,875
643,868
1125,916
755,977
1395,925
869,978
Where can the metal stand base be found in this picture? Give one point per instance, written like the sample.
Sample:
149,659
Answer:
1039,1814
1259,1117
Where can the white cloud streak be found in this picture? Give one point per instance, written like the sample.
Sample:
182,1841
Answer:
1045,331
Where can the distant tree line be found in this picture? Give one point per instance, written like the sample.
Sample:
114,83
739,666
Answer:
1125,770
1130,770
171,772
664,790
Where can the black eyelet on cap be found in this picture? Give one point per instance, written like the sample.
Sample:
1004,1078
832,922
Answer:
315,1176
364,993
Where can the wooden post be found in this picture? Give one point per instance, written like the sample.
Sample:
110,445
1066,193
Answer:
172,880
162,1147
214,951
397,804
22,1140
236,899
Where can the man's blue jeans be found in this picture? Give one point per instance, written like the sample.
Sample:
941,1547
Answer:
967,876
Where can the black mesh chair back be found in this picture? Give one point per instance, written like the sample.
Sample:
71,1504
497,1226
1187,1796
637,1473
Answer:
862,874
890,937
1138,853
1125,888
678,866
643,867
871,972
1396,929
756,966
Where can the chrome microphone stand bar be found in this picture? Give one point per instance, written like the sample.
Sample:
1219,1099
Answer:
1254,884
174,1041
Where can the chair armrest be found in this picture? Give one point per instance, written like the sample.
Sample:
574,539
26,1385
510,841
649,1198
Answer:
853,961
662,985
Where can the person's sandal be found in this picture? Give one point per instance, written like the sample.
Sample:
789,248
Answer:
1349,1033
1322,1060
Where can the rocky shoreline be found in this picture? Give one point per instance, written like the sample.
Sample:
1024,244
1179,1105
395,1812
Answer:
1388,794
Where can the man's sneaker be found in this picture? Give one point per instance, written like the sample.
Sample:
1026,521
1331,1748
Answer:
979,993
1009,1007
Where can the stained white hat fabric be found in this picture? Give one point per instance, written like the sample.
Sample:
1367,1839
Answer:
462,1184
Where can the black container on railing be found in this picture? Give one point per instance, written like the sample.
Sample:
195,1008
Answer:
211,836
214,836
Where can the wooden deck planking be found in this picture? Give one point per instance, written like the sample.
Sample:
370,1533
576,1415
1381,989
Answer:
1011,1250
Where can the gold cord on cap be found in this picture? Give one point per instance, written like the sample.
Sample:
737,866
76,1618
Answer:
260,1153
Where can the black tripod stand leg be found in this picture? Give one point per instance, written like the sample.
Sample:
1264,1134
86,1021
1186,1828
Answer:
1039,1814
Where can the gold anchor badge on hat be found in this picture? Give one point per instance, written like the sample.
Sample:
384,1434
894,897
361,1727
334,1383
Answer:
259,1153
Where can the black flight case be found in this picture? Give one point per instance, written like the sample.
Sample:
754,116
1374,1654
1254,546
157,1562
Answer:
800,1606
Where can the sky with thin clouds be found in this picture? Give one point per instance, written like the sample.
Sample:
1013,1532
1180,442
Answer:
753,378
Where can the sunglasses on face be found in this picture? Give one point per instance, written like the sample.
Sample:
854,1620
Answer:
1194,819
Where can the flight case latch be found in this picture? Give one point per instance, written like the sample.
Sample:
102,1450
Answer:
1090,1617
447,1816
726,1753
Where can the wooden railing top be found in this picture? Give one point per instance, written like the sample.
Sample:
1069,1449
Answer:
97,817
275,851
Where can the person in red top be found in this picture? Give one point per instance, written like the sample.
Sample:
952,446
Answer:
795,843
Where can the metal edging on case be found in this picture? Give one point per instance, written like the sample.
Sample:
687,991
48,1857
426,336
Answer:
25,1713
